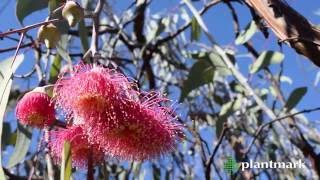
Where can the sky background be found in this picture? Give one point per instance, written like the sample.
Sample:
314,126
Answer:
218,19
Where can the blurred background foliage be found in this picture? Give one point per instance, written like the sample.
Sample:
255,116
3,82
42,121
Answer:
230,85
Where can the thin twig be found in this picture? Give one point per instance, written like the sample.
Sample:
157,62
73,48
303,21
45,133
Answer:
210,160
95,27
18,48
15,47
27,28
275,120
183,28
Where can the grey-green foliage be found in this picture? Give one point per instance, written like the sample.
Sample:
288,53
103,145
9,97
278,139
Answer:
178,56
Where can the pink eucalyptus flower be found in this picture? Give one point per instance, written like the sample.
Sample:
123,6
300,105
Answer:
81,150
115,116
90,90
135,130
35,109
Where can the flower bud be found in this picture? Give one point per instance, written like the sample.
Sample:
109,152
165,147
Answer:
72,12
49,34
36,109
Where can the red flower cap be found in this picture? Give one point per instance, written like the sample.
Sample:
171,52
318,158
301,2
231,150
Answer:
35,109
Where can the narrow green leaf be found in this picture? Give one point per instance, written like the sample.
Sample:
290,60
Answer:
195,30
6,69
295,97
55,68
62,48
201,73
225,111
66,163
219,65
83,33
247,33
196,15
265,59
200,21
24,135
27,7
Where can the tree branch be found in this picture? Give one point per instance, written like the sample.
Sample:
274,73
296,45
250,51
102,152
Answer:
290,26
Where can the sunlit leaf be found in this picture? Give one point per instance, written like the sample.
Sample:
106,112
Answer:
62,48
195,30
265,59
55,68
66,162
286,79
197,16
225,111
247,34
219,64
7,68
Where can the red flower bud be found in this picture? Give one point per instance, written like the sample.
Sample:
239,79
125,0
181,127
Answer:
36,110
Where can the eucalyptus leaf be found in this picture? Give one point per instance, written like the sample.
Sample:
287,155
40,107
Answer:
83,33
226,110
247,34
197,16
201,73
27,7
55,68
295,97
219,64
7,68
195,30
62,48
66,162
265,59
24,135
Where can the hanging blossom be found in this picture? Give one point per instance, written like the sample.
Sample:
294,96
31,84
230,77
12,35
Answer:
135,130
88,90
81,151
36,110
125,123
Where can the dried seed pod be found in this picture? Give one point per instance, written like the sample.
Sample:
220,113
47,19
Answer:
49,34
72,12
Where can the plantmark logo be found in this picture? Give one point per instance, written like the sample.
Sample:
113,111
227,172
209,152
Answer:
230,165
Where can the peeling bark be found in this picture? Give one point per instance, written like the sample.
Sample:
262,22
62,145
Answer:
290,27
